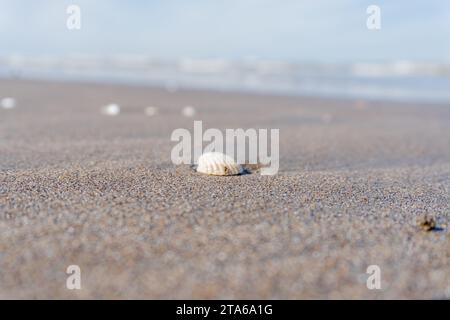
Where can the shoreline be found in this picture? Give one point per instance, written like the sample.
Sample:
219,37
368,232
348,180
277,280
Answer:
230,91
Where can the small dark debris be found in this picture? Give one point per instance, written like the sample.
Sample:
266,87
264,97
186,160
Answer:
426,223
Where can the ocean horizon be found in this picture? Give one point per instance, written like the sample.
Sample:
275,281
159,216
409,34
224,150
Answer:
404,81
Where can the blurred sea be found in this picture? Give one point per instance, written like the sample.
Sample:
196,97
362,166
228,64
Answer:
399,80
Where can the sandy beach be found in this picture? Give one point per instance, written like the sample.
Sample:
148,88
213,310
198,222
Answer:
78,187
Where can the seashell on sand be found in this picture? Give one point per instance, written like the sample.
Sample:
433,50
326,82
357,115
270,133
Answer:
8,103
151,111
111,109
188,111
218,164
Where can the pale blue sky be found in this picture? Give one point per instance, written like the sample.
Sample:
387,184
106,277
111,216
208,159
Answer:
295,30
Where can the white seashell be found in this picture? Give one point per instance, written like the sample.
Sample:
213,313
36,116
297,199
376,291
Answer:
111,109
188,111
151,111
218,164
8,103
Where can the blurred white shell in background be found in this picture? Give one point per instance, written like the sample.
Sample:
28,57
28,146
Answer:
218,164
188,111
151,111
8,103
111,109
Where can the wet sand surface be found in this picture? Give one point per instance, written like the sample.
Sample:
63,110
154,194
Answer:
78,187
